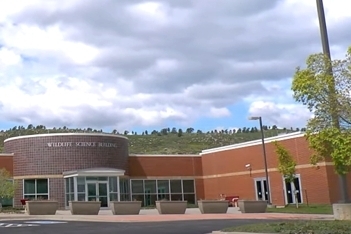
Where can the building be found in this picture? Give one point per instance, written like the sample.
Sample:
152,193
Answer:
89,166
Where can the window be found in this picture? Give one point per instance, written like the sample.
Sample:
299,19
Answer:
113,188
36,189
149,191
124,189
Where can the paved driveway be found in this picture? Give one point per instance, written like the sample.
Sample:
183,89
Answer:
62,227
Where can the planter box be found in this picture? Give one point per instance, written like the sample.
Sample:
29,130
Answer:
342,211
252,206
213,206
41,207
171,207
84,207
125,207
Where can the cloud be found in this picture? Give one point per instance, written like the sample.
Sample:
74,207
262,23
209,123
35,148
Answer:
121,64
281,114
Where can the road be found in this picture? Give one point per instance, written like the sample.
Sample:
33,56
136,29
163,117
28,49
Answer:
63,227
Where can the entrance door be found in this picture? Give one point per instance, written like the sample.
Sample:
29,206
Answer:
261,189
147,197
291,188
98,191
161,193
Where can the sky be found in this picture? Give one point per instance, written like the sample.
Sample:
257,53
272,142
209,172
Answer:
142,65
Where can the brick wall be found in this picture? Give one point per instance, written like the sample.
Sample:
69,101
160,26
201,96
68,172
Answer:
166,166
33,156
225,172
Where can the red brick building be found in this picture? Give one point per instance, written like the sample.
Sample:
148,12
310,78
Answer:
79,166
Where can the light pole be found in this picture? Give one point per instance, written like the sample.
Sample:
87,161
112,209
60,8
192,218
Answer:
264,157
335,118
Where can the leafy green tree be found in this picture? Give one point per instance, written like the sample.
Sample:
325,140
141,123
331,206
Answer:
324,86
180,132
7,187
286,165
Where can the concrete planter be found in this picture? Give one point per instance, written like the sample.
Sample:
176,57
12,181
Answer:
45,207
84,207
171,207
213,206
342,211
246,206
125,207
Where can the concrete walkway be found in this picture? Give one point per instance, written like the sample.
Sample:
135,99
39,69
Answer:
151,215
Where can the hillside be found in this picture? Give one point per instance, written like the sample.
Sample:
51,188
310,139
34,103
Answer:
165,141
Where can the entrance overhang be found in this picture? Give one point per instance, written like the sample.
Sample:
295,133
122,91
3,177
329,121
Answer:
94,172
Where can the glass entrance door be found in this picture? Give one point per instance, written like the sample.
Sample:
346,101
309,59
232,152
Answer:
98,191
261,189
293,191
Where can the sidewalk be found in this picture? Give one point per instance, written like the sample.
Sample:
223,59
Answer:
153,216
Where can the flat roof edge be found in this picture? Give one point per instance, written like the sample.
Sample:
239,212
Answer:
255,142
65,134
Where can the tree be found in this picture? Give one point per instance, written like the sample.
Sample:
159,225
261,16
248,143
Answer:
7,187
324,87
286,166
180,132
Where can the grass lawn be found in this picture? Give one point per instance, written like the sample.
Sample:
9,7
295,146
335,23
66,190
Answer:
303,209
296,227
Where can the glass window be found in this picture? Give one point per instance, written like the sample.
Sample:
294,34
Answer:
81,197
36,189
42,186
29,187
113,197
81,184
163,186
139,197
91,178
188,186
176,186
124,186
176,197
71,185
150,186
190,198
163,196
67,185
113,184
125,197
137,186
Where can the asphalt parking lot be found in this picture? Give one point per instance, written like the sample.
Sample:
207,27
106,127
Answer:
63,227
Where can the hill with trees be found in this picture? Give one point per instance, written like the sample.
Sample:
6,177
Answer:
163,141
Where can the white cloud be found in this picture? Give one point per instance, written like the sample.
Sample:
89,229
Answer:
9,57
124,64
281,114
219,112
